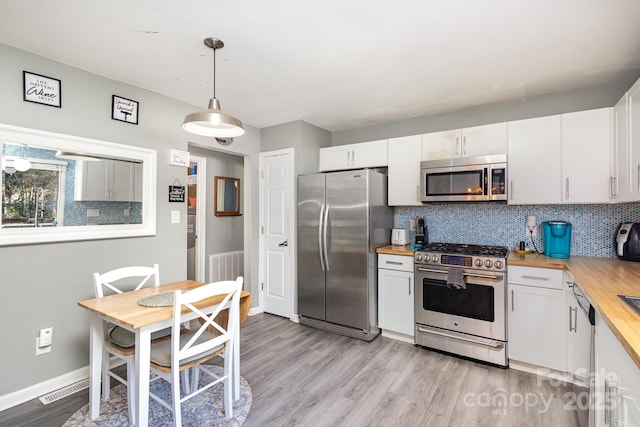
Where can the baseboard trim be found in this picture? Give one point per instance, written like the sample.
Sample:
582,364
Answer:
33,392
254,310
398,336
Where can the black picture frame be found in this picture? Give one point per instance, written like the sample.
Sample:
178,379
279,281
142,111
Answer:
124,110
41,89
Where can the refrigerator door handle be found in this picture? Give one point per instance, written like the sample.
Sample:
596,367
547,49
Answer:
324,233
320,220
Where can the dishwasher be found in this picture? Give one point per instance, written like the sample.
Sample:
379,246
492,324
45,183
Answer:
581,323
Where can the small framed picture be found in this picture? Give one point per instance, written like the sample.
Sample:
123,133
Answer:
41,89
125,110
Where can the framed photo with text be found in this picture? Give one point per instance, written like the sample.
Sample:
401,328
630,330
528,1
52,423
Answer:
124,110
41,89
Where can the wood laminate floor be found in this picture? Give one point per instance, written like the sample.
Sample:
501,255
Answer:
305,377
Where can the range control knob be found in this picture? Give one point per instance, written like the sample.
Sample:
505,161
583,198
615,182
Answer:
488,263
478,263
497,264
418,257
434,258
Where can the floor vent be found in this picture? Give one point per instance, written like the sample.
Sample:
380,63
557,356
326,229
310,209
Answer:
64,392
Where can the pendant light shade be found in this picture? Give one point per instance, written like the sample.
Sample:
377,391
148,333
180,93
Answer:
213,121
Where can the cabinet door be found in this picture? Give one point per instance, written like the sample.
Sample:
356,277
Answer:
579,331
404,171
335,158
395,301
634,142
484,140
137,182
91,180
441,145
120,180
586,145
369,154
537,326
534,161
622,163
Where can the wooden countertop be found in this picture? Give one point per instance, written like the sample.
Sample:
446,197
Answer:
602,279
396,250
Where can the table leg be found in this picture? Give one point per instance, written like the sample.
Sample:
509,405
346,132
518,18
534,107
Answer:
96,342
143,354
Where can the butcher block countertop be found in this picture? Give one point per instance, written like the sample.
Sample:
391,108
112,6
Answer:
602,279
396,250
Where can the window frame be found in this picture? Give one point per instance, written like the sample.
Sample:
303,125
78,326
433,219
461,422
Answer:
148,158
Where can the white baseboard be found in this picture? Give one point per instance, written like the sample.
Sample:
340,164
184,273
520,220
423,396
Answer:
295,318
32,392
254,310
398,336
551,374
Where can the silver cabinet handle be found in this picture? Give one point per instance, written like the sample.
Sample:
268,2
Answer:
409,288
353,157
513,298
566,188
572,326
394,262
511,190
610,389
638,178
535,277
458,148
464,145
612,185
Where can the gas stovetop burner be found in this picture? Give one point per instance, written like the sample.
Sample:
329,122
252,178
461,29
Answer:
463,255
460,248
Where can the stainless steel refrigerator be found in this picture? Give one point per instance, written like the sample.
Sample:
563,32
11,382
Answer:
342,218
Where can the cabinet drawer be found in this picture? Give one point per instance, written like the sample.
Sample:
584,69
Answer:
395,262
538,277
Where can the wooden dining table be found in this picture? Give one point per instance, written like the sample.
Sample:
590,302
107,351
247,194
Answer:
123,310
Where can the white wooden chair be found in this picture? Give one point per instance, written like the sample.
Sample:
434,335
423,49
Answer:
191,350
119,342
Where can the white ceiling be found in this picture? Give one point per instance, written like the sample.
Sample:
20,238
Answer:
338,64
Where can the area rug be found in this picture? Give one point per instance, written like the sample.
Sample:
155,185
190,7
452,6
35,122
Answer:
203,410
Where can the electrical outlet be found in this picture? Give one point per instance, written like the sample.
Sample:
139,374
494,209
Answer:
175,217
44,341
127,211
412,225
93,212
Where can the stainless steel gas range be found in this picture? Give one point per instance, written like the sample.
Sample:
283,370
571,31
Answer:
460,300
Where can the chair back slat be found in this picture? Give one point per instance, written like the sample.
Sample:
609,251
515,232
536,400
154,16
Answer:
187,301
116,280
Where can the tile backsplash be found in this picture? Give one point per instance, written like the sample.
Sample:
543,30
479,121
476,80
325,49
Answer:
593,226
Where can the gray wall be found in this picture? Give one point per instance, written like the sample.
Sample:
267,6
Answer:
544,105
224,233
41,284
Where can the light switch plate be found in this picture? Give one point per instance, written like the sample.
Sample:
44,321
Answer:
175,217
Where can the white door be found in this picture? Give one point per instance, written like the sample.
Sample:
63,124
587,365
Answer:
278,239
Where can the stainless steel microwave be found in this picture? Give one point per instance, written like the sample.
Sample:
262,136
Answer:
464,179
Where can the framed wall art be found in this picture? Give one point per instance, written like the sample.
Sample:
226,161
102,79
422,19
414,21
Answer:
41,89
124,110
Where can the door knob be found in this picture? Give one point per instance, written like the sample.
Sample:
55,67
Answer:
285,243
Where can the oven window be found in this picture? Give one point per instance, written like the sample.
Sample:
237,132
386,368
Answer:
455,183
475,302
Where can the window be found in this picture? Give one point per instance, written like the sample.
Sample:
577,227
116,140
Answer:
35,197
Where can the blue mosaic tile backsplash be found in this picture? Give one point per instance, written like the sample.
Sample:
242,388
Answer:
593,226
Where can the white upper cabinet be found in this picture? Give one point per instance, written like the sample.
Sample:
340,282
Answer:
627,146
404,171
534,157
354,156
108,180
466,142
586,153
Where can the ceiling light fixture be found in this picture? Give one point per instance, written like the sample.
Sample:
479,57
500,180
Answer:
213,121
22,164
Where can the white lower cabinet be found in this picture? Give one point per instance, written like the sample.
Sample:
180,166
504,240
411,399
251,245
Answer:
617,386
395,296
537,324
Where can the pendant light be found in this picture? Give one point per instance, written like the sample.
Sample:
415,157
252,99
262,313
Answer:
213,121
22,164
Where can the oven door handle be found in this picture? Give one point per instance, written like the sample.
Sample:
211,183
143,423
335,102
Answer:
496,345
481,276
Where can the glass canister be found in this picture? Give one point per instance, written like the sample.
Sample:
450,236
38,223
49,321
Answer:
557,238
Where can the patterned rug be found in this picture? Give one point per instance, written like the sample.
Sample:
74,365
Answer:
203,410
